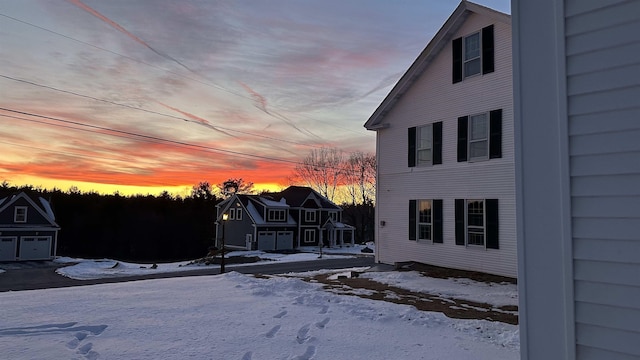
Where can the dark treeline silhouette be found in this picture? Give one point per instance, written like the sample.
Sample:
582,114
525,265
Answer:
130,228
147,228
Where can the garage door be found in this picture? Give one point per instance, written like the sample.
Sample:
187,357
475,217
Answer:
284,240
35,248
8,248
266,240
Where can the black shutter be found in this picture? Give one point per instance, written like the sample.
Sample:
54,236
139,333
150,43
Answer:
412,219
457,59
463,128
492,223
460,222
411,152
437,221
495,134
487,50
437,143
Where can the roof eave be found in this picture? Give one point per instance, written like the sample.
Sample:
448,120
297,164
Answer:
437,43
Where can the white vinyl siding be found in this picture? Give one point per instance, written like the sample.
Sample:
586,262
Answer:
603,88
433,98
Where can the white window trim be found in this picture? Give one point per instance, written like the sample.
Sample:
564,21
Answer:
333,215
271,215
232,214
483,227
485,139
239,214
418,148
418,223
310,215
20,218
309,236
464,54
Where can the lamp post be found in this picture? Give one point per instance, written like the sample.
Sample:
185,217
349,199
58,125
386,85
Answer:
225,217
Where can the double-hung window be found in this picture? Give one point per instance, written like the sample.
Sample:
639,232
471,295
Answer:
232,214
477,222
473,54
20,214
425,220
425,145
480,136
238,213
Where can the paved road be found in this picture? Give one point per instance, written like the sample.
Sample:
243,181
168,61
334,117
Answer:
42,275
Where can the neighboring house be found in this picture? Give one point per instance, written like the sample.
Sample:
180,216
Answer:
446,173
28,230
577,101
297,216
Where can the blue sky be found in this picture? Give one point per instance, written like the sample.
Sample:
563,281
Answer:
216,89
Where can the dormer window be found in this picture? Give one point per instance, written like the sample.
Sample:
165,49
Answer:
278,215
20,214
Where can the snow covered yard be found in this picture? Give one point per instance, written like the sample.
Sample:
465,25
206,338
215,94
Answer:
235,316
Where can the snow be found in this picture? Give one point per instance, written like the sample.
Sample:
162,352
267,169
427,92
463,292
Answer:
236,316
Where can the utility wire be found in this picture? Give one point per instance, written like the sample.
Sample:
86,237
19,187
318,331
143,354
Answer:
154,138
149,111
219,87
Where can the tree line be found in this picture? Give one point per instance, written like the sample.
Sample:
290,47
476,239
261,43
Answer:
148,228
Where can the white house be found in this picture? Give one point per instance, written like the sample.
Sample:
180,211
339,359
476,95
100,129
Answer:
577,115
446,171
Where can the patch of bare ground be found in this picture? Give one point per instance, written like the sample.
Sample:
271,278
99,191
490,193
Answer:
453,308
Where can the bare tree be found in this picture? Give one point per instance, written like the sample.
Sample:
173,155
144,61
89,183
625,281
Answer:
202,191
322,171
360,177
243,187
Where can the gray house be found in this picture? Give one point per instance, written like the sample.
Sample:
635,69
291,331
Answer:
577,114
28,230
297,216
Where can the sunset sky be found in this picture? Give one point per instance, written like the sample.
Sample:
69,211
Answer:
139,96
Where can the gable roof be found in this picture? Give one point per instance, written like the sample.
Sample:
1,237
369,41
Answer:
44,210
297,196
433,48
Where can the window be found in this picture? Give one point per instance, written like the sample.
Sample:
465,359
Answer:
425,145
473,54
239,214
471,51
232,214
477,222
20,214
309,236
310,215
276,215
425,220
333,215
480,136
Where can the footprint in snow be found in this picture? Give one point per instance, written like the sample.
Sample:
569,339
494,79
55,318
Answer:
303,334
274,330
323,323
324,309
280,314
308,355
247,355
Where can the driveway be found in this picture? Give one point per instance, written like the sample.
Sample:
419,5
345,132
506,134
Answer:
33,275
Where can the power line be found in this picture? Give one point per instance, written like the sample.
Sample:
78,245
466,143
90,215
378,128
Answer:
153,138
216,86
215,127
141,137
